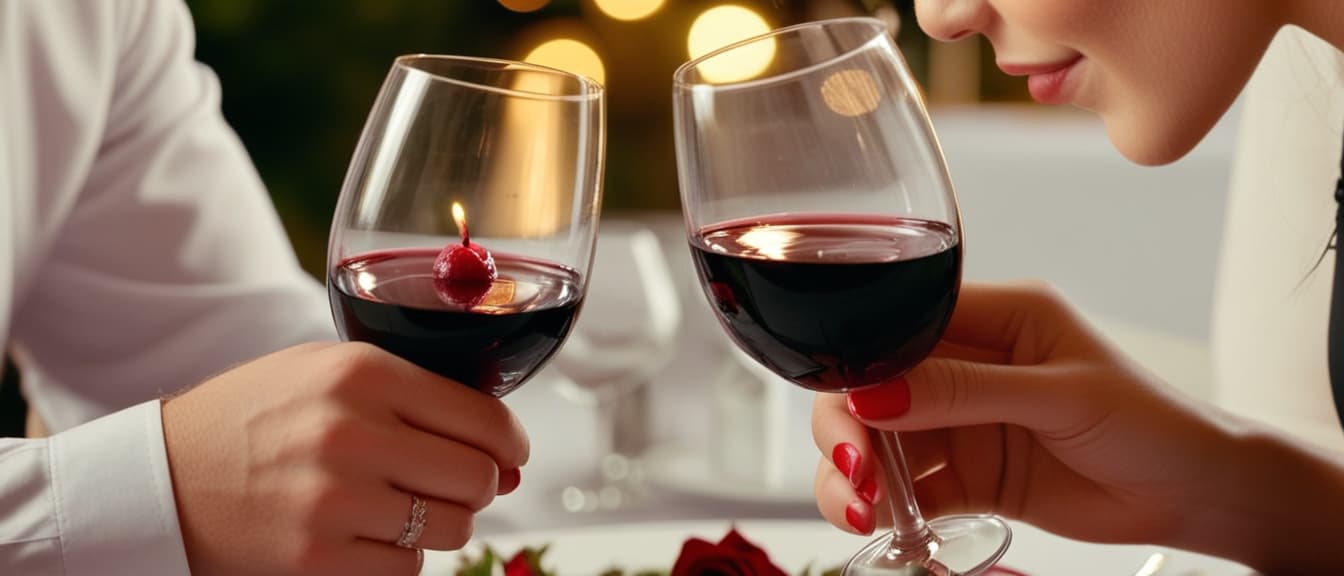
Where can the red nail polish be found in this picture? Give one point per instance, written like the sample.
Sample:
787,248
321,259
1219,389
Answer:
860,516
868,490
846,459
881,402
509,481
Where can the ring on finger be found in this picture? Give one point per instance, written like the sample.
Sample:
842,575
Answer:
414,526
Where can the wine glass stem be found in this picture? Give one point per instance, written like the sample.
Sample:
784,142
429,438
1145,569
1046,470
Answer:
606,424
620,426
909,532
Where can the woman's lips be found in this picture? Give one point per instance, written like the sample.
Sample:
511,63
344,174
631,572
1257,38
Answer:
1048,83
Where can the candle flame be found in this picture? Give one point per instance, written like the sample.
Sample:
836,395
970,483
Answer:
460,218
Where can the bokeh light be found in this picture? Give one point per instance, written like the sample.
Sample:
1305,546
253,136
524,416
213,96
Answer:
724,25
571,56
628,9
524,5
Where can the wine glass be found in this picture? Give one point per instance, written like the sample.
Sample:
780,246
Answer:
464,231
627,334
826,235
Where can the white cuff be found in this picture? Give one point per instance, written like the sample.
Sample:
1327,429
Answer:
114,497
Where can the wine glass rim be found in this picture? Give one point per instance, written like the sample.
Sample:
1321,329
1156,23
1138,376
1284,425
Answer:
678,76
592,89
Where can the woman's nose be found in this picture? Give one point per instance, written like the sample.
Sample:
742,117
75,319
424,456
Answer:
949,20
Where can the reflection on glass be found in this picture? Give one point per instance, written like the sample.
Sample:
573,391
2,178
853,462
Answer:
851,92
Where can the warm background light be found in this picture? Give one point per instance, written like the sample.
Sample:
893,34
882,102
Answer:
571,56
638,58
628,9
531,189
723,25
524,5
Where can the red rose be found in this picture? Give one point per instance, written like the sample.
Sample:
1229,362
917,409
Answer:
522,564
732,556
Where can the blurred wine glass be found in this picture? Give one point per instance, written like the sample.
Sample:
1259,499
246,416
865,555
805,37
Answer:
627,333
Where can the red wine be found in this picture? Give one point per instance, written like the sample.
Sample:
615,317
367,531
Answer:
492,343
832,302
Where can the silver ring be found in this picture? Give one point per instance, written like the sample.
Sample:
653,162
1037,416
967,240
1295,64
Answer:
415,525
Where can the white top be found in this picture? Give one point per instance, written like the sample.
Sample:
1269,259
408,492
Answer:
1271,312
140,254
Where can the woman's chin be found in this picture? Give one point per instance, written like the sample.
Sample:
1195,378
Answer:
1150,145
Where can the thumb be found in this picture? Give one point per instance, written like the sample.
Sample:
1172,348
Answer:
948,392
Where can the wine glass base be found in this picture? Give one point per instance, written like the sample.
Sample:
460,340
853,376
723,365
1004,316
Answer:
961,546
618,486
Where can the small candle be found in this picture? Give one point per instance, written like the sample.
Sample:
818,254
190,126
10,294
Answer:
463,272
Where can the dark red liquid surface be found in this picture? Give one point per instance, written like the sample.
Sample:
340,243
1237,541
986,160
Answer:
388,299
832,302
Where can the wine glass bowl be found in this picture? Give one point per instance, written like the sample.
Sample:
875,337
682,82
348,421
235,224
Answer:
826,234
464,232
832,302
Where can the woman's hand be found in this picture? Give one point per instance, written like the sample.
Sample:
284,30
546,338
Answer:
304,462
1027,412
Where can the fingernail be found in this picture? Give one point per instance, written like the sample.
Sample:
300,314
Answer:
846,459
881,402
509,481
860,516
868,490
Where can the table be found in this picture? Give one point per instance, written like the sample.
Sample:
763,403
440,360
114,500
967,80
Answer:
689,394
797,544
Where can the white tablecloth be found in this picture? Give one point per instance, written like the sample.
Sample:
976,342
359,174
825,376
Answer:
795,545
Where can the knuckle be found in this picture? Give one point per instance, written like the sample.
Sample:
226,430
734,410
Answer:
310,554
310,347
824,471
482,477
508,442
336,436
498,414
818,419
522,443
351,366
935,389
952,385
318,499
459,532
826,408
1044,316
1040,295
1049,302
967,385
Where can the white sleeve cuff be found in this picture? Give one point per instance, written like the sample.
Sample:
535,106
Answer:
114,497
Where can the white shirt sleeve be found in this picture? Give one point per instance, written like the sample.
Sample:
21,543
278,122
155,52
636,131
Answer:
147,258
170,265
72,506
